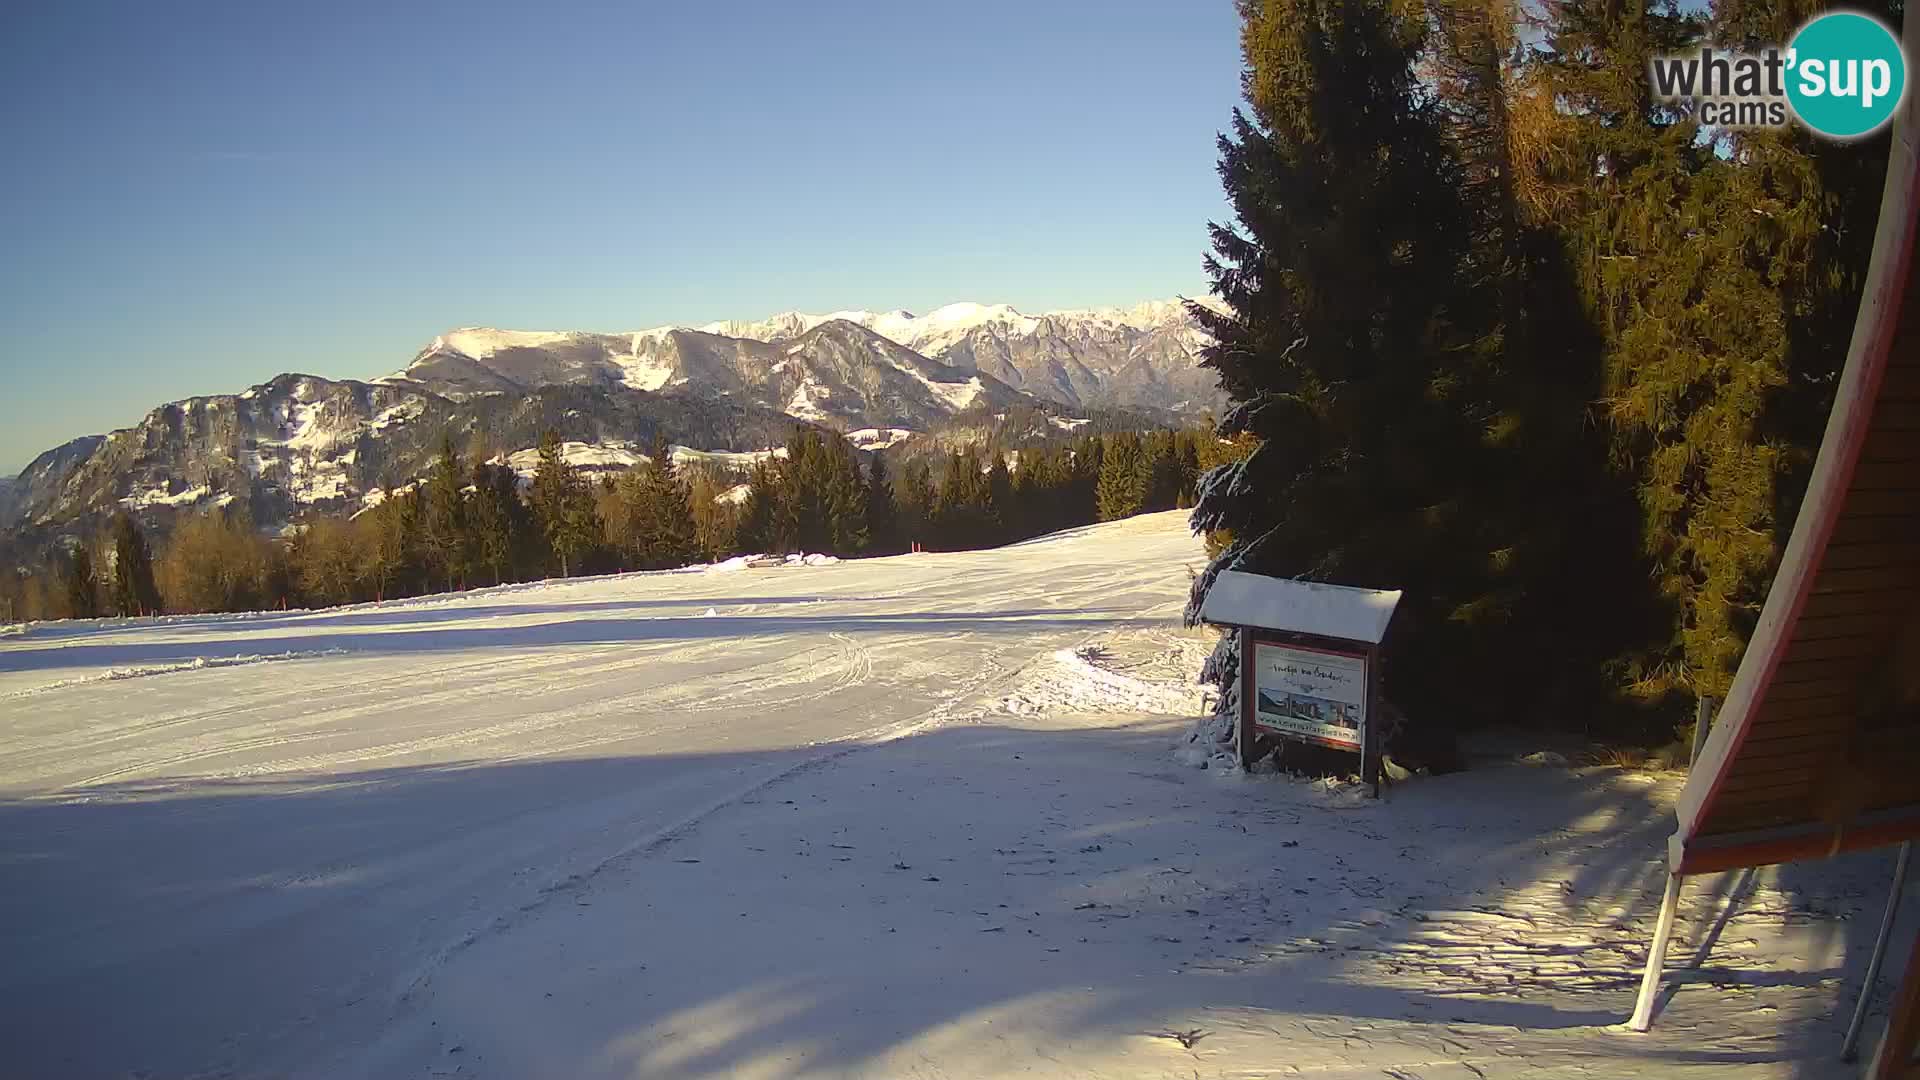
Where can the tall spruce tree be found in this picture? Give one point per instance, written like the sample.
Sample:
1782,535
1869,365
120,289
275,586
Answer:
445,533
1187,467
883,518
999,498
387,554
963,513
133,591
563,511
82,587
1025,514
497,520
917,500
1125,478
1528,377
664,520
1348,347
1696,257
846,498
760,520
822,500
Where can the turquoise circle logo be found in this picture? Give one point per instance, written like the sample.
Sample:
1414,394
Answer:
1847,74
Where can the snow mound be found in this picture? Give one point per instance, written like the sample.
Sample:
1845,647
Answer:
1209,745
1069,680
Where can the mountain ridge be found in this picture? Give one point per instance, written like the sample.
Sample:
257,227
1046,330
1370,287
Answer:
299,442
1143,356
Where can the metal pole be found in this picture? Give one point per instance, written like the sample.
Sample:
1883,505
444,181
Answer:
1663,930
1656,957
1702,721
1850,1049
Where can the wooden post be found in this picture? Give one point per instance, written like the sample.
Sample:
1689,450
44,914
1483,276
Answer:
1372,749
1246,738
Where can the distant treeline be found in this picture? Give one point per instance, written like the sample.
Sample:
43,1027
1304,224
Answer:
474,523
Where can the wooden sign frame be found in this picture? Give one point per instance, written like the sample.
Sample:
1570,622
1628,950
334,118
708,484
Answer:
1250,730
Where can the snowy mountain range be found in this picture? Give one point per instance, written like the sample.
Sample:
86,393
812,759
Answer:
300,442
822,367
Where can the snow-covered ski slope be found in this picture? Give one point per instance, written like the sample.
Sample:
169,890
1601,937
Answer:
219,832
912,817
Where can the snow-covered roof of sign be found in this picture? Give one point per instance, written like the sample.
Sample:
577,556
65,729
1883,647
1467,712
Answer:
1238,598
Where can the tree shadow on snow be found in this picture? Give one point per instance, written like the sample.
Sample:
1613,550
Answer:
221,924
563,627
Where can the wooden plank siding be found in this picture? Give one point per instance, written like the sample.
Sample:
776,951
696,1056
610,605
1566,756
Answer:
1849,580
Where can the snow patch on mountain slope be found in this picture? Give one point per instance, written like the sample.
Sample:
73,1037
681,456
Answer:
801,404
152,497
739,459
615,456
480,342
588,457
957,395
396,415
641,370
878,438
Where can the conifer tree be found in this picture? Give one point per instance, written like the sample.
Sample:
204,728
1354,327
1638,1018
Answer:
133,591
497,520
445,533
82,587
1698,266
563,508
883,524
1163,470
663,521
846,499
822,499
1025,514
1348,332
805,475
917,499
388,542
1187,468
1125,477
759,523
999,498
1082,502
963,512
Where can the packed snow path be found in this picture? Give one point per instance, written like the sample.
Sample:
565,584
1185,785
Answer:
883,818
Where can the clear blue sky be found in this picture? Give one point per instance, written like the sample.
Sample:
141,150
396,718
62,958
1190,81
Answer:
199,196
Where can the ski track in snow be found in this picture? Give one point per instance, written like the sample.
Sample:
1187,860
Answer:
908,817
312,817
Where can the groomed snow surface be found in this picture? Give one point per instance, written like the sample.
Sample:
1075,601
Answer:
907,817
